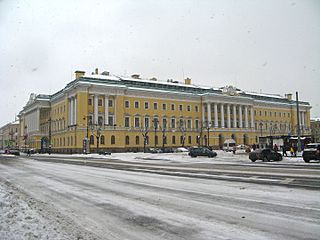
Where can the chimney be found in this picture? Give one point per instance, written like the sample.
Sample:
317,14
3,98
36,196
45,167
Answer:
79,74
135,76
96,71
153,79
187,81
288,96
106,73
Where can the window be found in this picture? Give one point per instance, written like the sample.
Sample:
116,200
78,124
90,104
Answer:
172,107
180,107
188,108
196,124
275,114
196,108
127,141
110,120
182,140
146,122
189,122
164,106
126,104
136,104
90,102
137,140
146,105
91,140
155,122
99,102
100,120
126,122
164,140
90,120
110,103
164,123
255,112
155,106
265,113
136,122
173,123
113,139
173,139
279,114
260,113
189,139
156,140
102,139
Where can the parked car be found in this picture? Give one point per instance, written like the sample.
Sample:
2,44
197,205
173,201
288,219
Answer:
311,152
104,153
228,145
202,151
265,155
12,152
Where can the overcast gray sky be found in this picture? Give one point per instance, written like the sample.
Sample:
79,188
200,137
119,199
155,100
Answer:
263,46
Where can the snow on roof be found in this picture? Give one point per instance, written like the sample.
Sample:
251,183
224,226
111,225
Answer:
100,76
265,94
316,119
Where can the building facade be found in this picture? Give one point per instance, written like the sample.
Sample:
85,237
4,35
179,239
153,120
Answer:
128,113
9,135
315,129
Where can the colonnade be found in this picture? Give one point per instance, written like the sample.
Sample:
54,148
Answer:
234,116
72,110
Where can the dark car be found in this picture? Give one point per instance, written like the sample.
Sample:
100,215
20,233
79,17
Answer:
311,152
202,151
265,155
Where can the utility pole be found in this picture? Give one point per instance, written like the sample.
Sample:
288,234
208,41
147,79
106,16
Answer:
298,124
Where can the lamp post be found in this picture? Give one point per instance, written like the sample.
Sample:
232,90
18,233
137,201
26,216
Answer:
25,138
208,137
86,142
98,129
182,128
163,137
49,121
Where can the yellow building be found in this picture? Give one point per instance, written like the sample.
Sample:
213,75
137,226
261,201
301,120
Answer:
126,113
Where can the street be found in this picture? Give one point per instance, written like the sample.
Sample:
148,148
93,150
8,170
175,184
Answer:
159,197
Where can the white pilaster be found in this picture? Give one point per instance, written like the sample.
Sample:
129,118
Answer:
246,122
228,116
106,110
216,125
203,113
69,111
222,115
240,116
209,113
75,111
234,116
115,111
96,109
252,117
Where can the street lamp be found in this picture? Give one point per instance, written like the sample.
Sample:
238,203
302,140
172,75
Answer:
208,129
163,137
261,124
25,138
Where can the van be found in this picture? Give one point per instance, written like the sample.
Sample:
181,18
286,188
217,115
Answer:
228,145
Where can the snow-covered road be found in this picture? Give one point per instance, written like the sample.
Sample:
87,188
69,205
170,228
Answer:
78,202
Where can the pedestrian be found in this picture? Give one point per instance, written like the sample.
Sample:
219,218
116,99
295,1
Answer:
295,150
28,153
254,147
234,149
291,151
284,151
275,148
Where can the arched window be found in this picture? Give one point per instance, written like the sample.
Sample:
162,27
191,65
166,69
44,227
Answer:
102,139
127,140
173,139
71,139
91,139
113,139
137,140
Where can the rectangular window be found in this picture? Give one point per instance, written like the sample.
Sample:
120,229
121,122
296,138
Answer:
196,108
265,113
110,103
155,106
146,122
126,122
196,124
146,105
173,123
260,113
90,102
189,140
155,122
90,120
172,107
126,104
180,107
136,104
164,106
189,123
99,102
188,108
164,123
136,122
110,118
100,120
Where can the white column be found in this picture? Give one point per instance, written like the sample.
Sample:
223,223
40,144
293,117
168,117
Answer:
75,111
69,111
246,125
222,115
229,117
209,112
216,116
240,116
38,120
302,119
203,114
96,109
252,117
106,110
234,116
115,111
